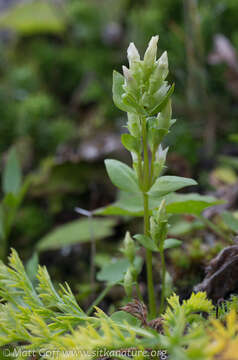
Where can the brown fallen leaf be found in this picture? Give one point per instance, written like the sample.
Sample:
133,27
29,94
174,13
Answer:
221,274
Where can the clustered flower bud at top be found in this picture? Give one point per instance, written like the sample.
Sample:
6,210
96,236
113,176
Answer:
146,93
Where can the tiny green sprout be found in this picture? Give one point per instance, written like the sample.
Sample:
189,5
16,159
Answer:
129,247
160,159
128,282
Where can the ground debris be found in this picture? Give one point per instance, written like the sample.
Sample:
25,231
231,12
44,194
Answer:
221,274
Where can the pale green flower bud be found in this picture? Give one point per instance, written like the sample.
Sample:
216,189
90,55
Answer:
164,116
161,213
160,94
129,247
153,229
151,51
128,282
130,82
160,160
159,74
162,65
132,55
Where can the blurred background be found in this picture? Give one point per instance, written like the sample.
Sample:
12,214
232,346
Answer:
58,122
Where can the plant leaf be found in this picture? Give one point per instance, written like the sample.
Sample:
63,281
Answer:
117,92
158,108
122,316
171,243
131,143
32,267
230,220
189,203
168,184
113,272
78,231
122,175
146,242
12,174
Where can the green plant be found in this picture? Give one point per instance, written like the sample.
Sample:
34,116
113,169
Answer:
145,95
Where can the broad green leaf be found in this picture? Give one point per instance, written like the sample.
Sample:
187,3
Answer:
33,17
122,316
32,267
189,203
117,92
230,220
131,143
128,205
12,174
171,243
146,242
122,175
132,204
158,108
167,184
78,231
113,272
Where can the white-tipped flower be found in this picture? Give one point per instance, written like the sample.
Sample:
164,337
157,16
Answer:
151,51
160,161
126,73
162,65
129,80
132,54
162,154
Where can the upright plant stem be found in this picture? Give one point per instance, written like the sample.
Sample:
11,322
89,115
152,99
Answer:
146,179
162,300
100,297
150,283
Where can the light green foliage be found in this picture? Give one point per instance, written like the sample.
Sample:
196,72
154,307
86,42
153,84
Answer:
46,318
23,19
34,315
